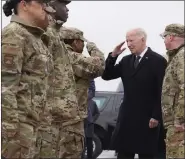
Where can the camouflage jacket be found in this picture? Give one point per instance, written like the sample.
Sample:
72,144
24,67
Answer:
26,64
173,89
85,69
62,92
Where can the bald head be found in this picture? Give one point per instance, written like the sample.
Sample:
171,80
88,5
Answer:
136,40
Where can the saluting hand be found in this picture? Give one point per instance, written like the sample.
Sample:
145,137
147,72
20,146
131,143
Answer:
118,50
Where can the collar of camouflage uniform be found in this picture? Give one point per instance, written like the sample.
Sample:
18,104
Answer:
33,29
174,51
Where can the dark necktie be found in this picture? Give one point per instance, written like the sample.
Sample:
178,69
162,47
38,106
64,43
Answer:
136,62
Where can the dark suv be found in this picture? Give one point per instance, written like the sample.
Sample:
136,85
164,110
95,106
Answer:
108,104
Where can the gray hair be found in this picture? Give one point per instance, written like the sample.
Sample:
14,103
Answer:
139,32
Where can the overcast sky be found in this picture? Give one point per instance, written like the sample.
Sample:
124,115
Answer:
106,23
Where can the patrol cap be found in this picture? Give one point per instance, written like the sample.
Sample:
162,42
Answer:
174,29
14,2
10,5
49,9
40,1
64,1
72,33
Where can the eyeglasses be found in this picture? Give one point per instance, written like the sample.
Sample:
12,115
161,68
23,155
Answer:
163,36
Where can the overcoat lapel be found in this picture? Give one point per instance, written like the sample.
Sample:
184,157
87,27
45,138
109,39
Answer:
143,61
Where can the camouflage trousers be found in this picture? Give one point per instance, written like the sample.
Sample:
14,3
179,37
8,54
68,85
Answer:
18,140
175,143
68,141
71,143
57,141
44,143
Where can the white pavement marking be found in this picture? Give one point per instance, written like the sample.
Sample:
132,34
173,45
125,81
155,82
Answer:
109,154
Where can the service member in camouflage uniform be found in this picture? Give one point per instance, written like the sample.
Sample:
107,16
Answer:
26,64
173,91
86,70
68,133
67,140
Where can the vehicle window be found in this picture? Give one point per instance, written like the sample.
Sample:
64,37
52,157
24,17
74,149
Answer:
100,101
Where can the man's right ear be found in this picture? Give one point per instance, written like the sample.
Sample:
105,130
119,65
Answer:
24,5
171,37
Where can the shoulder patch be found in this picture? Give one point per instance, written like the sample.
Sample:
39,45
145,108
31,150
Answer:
9,52
9,60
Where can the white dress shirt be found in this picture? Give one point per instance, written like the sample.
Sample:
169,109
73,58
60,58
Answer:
143,53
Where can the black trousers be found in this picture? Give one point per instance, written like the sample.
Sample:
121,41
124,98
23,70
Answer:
125,155
89,145
161,151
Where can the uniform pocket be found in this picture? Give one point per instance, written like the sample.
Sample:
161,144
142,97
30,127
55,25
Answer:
79,140
19,140
44,145
9,131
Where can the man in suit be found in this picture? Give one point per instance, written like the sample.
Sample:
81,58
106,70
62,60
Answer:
140,121
93,114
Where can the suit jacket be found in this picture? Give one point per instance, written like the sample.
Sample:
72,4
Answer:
92,89
142,101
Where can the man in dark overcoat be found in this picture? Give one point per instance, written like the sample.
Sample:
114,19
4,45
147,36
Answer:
139,127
